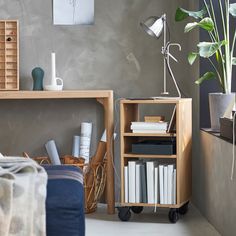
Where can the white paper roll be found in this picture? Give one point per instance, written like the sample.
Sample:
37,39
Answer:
52,152
76,146
85,140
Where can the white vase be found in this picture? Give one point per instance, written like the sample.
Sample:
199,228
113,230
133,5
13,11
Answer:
218,103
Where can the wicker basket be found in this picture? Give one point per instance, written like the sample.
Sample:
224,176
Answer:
94,178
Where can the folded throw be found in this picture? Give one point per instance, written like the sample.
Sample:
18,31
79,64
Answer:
22,197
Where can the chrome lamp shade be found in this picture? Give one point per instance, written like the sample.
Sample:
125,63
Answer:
154,25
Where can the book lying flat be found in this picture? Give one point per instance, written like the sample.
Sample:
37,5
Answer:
154,118
143,131
149,125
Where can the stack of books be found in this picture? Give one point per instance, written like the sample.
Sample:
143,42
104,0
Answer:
149,127
150,182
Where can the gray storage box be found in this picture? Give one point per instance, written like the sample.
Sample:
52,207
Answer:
155,147
226,128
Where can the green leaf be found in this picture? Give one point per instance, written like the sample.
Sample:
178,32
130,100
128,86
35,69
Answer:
182,14
207,76
232,9
234,61
208,49
190,26
206,24
192,56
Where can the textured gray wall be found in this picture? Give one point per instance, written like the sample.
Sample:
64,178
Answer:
215,192
112,54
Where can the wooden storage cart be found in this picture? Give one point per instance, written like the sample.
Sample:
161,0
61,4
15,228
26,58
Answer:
129,111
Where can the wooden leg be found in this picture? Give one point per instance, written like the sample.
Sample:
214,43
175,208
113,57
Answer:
109,125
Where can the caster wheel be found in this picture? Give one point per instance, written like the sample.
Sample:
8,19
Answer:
137,209
124,213
173,215
184,209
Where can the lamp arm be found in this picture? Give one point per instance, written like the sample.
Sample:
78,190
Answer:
173,78
167,57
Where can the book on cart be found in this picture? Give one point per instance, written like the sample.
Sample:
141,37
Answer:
150,182
149,127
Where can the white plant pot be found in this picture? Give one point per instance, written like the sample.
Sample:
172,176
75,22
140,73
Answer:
219,103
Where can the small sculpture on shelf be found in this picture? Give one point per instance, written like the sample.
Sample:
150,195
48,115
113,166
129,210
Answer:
37,74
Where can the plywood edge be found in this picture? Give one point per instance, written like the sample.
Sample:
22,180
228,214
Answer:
56,94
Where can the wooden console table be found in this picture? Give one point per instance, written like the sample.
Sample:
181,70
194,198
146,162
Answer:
105,97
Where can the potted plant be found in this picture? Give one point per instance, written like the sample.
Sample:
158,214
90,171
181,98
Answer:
218,51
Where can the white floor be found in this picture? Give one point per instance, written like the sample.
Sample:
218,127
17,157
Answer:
148,223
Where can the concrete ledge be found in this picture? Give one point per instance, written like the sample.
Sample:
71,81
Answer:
214,191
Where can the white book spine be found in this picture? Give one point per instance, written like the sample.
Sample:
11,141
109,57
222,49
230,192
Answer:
150,182
161,183
174,187
170,183
156,189
165,183
126,178
131,172
137,183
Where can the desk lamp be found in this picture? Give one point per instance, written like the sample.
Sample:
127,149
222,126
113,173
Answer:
154,26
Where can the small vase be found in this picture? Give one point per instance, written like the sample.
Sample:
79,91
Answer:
38,74
218,103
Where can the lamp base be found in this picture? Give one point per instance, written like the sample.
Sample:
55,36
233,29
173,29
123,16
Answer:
165,97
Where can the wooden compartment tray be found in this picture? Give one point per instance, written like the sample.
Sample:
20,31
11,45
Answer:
9,55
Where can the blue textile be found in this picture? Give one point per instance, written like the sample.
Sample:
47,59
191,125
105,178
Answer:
65,201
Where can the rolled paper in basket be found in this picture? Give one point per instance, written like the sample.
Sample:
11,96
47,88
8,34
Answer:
52,152
85,140
75,148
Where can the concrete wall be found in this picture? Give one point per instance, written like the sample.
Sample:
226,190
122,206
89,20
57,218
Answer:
112,54
215,192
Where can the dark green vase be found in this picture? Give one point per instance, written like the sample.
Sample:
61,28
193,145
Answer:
38,74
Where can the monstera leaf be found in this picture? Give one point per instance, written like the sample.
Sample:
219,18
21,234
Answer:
234,61
192,56
182,14
206,24
208,49
232,9
207,76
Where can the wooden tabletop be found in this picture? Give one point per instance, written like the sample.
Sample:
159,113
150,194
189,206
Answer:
55,94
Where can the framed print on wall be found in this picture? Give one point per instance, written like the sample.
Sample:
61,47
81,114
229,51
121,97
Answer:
73,12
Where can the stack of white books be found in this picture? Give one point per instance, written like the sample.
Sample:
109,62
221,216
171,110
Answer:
149,127
150,183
